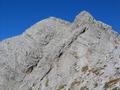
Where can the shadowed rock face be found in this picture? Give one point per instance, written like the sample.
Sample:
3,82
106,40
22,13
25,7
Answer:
58,55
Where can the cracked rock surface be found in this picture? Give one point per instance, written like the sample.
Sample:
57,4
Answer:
55,54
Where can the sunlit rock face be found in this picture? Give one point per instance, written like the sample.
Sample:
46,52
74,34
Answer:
55,54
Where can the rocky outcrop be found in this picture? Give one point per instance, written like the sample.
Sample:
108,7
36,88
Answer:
58,55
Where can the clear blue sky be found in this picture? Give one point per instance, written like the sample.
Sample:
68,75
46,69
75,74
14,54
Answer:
18,15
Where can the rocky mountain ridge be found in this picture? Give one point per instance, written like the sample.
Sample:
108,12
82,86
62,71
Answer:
55,54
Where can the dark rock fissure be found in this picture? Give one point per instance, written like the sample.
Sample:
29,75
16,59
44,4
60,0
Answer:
70,41
46,73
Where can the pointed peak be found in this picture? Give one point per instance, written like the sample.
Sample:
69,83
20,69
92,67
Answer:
86,18
84,14
83,17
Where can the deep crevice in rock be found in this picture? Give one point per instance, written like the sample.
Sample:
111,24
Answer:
72,39
46,73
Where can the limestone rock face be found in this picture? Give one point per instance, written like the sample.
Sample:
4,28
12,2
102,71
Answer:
58,55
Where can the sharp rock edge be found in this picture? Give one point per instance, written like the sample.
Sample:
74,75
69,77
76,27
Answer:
55,54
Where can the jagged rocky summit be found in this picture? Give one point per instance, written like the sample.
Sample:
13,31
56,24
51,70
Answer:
58,55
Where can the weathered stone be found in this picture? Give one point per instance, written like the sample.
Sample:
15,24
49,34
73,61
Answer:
58,55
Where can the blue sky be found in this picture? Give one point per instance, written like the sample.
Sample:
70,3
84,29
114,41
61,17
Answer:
18,15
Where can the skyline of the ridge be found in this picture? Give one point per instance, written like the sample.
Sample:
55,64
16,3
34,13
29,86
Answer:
18,15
